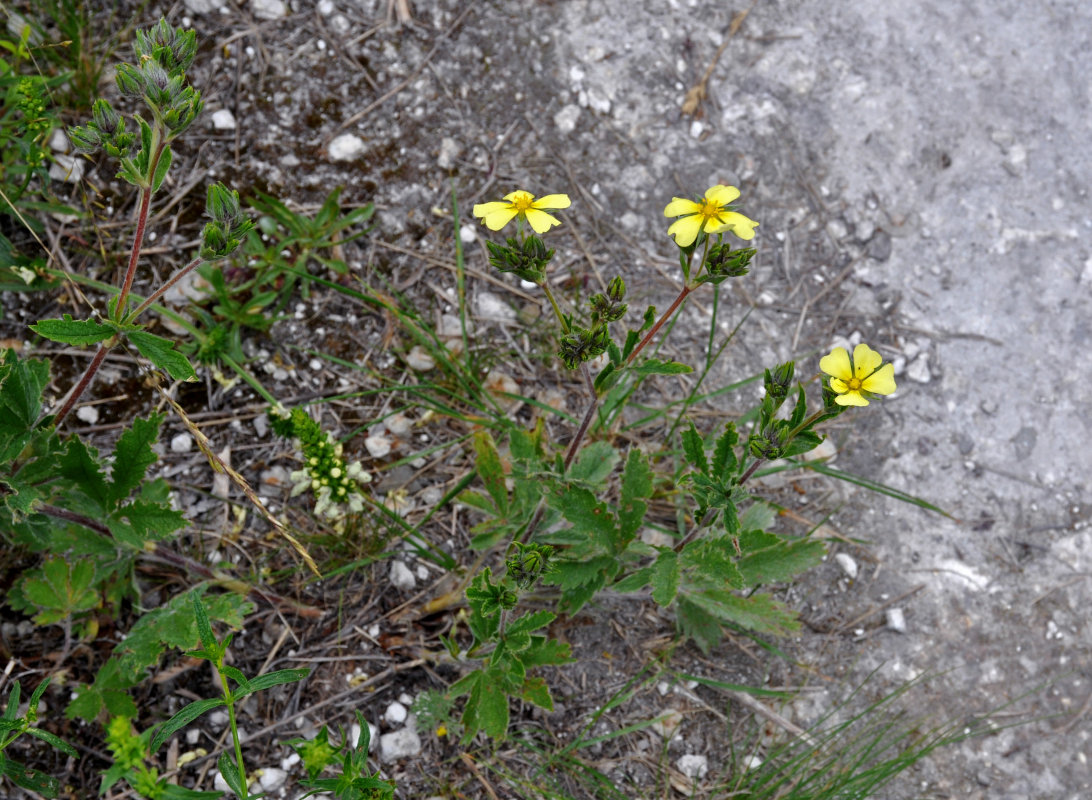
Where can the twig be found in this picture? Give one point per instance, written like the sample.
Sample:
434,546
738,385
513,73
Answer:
698,92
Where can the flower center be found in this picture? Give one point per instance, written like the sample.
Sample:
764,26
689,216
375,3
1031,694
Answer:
710,210
523,202
854,384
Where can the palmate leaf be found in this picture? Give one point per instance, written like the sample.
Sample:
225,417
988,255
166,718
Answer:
757,612
588,516
60,589
595,463
665,578
80,465
21,385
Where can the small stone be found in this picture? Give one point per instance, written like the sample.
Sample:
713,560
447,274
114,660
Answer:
276,477
405,699
181,443
566,118
67,168
398,424
401,577
268,9
272,778
468,234
419,359
826,451
449,151
199,6
896,620
58,141
918,370
218,719
396,713
489,306
346,147
667,726
377,446
193,735
847,564
399,744
223,120
697,128
290,761
693,766
422,573
261,425
752,762
879,246
663,687
373,736
88,414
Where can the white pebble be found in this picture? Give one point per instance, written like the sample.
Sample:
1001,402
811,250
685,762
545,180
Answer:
223,120
67,168
272,778
693,766
848,564
896,620
919,369
468,234
346,147
400,744
401,577
419,360
181,443
377,446
566,118
490,306
396,713
268,9
398,424
422,573
58,141
88,414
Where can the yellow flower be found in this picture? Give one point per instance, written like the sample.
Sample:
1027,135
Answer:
520,203
855,380
711,215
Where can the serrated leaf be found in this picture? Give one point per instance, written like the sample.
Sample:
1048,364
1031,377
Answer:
163,354
271,679
634,582
183,718
696,623
587,515
545,652
570,574
636,487
133,455
536,691
152,520
655,366
709,563
530,622
758,612
595,463
758,517
76,332
488,463
782,563
60,589
572,600
21,385
488,706
725,463
632,338
80,465
665,578
694,449
751,541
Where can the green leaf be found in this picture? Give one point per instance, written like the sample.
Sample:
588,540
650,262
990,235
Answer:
183,718
161,168
694,449
758,612
530,622
751,541
28,778
21,384
545,652
781,563
60,589
163,354
724,454
607,377
587,515
152,520
655,366
204,627
536,691
634,582
76,332
595,463
803,442
665,578
80,465
488,705
709,563
758,517
696,623
636,487
53,740
133,455
230,773
270,679
488,464
570,574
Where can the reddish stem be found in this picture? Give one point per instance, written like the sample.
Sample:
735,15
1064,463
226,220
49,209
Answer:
134,255
81,387
162,290
659,323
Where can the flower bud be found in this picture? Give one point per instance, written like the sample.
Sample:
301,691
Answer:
779,380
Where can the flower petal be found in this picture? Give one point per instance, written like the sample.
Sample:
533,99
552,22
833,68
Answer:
721,195
499,217
520,194
484,209
686,229
540,221
741,226
865,361
552,201
837,364
850,399
882,381
680,206
839,386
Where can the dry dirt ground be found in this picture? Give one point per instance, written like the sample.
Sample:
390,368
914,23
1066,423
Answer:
920,172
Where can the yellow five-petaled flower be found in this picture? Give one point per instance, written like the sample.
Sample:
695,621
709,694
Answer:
854,380
497,214
711,215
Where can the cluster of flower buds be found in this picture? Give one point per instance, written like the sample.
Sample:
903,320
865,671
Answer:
528,563
223,235
106,130
723,262
336,485
526,261
607,308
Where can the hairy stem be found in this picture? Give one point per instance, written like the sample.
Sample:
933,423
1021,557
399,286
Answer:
81,387
686,290
162,290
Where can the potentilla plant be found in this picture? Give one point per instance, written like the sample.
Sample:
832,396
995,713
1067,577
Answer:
570,522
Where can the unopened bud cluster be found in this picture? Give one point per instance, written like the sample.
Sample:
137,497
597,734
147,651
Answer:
723,262
336,485
526,261
583,344
528,563
223,235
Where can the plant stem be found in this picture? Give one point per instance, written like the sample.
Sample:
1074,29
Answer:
659,323
162,290
78,390
138,240
557,311
234,732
